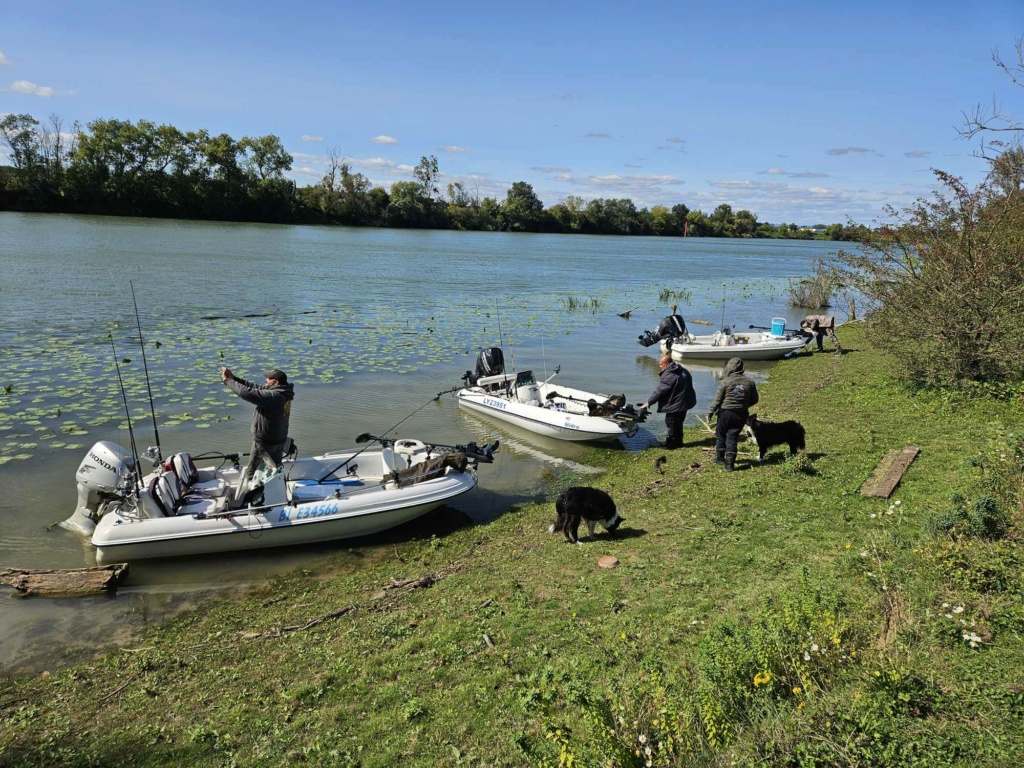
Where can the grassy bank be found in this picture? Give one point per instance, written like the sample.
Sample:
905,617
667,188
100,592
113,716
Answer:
769,616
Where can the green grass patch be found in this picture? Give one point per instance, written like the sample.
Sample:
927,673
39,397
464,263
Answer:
769,616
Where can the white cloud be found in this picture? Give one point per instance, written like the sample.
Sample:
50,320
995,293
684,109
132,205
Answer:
550,169
4,60
915,153
626,184
597,136
850,151
24,86
382,139
451,149
794,174
674,140
307,172
307,137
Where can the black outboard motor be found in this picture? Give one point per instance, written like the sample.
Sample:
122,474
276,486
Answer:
491,362
672,327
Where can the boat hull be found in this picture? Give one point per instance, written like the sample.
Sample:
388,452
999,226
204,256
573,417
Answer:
120,538
549,422
711,348
323,498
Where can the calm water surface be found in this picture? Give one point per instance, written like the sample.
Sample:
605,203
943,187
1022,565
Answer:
370,325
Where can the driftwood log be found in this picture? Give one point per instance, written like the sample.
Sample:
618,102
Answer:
73,582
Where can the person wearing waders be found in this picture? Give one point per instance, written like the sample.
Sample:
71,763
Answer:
736,394
820,326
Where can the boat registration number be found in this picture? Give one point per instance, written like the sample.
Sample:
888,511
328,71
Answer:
308,510
494,403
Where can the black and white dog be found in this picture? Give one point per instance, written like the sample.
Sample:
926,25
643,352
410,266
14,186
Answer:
767,434
587,505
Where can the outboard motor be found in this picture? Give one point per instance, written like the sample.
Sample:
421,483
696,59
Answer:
491,362
105,472
672,327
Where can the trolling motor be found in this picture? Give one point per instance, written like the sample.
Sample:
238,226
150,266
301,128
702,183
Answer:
671,328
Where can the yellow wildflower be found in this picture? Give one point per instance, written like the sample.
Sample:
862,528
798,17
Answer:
762,677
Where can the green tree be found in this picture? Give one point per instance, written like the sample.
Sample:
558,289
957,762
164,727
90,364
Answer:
22,137
522,210
408,206
427,175
663,221
722,221
698,224
744,224
264,157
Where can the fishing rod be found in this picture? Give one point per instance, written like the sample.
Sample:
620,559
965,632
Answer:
723,305
511,354
497,315
349,459
485,454
127,413
145,366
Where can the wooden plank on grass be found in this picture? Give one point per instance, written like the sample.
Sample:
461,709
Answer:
889,472
73,582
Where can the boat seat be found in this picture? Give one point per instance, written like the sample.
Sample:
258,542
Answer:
191,479
166,492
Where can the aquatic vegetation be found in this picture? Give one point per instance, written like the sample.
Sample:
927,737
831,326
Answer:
668,296
70,374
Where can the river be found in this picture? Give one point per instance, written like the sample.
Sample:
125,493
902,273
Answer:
369,324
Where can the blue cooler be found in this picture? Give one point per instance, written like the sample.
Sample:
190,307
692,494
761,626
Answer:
778,326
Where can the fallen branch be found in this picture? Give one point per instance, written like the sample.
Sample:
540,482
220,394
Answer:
115,692
376,602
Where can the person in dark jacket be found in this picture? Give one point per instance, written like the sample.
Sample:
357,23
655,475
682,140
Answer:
732,402
674,396
270,419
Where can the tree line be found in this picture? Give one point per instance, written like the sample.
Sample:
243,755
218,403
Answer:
122,168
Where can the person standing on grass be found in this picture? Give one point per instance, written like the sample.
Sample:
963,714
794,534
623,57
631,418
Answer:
674,396
735,395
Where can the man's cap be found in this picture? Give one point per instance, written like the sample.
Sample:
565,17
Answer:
278,375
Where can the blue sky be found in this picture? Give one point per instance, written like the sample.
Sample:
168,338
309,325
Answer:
797,111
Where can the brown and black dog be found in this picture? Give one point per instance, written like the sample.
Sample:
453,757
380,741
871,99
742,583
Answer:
581,504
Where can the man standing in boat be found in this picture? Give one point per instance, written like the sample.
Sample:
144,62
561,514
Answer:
270,419
674,396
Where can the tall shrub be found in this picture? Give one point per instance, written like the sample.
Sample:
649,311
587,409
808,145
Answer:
944,283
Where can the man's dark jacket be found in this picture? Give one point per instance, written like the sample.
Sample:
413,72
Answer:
273,406
674,393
